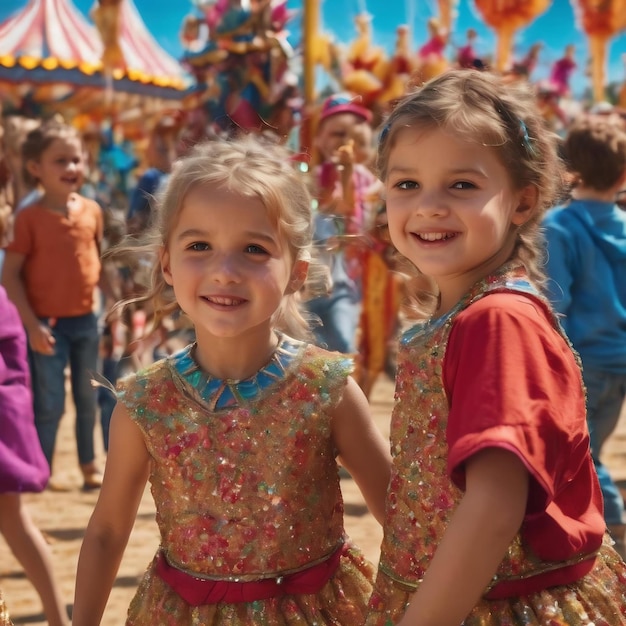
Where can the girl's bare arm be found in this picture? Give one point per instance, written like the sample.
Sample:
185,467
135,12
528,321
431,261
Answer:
475,542
113,518
363,450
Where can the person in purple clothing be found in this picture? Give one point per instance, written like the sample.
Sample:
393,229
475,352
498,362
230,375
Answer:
562,70
23,466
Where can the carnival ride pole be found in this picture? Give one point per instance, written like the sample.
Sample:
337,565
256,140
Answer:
310,25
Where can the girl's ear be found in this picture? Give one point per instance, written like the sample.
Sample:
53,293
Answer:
164,257
298,276
33,168
527,204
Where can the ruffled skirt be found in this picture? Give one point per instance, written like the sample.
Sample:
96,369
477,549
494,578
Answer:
343,600
597,599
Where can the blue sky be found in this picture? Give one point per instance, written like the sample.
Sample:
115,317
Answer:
555,28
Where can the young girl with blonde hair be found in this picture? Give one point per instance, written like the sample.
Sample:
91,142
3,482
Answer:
239,432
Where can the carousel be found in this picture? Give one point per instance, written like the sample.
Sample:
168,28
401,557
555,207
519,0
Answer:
109,78
53,60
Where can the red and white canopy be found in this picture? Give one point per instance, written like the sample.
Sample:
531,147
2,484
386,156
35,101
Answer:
50,43
51,29
141,51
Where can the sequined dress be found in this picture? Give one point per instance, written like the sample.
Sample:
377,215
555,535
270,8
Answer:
422,497
246,486
5,619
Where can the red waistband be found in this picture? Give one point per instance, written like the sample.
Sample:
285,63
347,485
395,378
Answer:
198,591
532,584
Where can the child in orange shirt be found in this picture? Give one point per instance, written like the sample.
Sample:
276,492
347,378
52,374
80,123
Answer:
50,272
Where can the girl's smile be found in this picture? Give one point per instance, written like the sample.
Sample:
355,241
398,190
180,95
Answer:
451,207
224,301
60,170
435,237
230,270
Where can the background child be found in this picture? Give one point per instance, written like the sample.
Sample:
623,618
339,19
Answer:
380,286
50,272
586,263
238,432
494,512
23,467
341,188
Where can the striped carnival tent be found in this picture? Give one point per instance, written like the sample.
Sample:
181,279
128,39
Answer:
147,62
51,59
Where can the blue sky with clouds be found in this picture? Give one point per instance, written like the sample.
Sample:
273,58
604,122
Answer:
556,28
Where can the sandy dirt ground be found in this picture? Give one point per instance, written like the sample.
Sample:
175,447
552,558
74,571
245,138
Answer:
64,516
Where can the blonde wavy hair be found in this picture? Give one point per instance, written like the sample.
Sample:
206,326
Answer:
252,167
480,107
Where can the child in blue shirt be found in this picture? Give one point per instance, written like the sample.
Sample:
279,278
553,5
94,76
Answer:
586,265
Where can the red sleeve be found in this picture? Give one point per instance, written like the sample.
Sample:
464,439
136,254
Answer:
513,383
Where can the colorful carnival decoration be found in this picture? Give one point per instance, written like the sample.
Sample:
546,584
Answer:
36,67
561,71
466,56
447,11
238,53
601,20
365,67
370,73
506,17
431,59
53,60
401,66
107,17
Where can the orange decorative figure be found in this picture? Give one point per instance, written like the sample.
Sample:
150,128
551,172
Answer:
362,54
466,55
506,17
400,67
366,64
446,13
106,17
601,20
431,60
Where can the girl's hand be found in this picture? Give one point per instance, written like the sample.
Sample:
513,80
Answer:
41,339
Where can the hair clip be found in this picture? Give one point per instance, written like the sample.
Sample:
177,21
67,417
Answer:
384,132
526,141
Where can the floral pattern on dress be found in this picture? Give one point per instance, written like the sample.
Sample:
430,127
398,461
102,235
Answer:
247,492
421,499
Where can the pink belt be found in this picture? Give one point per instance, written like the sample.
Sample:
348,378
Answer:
544,580
197,591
